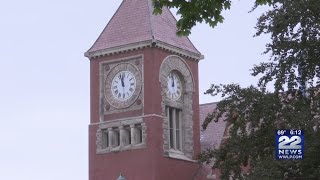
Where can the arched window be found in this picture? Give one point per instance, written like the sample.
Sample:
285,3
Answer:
177,107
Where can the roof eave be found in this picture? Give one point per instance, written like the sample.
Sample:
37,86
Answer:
180,51
141,45
116,50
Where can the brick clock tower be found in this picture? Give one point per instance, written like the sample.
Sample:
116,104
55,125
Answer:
144,98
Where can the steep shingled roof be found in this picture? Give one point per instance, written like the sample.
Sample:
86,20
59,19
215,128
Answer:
213,135
134,22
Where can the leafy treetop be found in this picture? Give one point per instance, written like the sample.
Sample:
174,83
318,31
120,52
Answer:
193,11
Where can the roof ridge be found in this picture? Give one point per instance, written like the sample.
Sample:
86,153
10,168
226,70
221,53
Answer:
177,29
150,16
105,28
134,22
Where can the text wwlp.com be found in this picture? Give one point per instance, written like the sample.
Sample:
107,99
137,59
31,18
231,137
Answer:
290,156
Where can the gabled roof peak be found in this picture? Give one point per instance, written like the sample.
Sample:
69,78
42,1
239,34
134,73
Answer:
135,26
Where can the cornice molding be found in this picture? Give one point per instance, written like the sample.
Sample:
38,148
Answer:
141,45
178,51
117,50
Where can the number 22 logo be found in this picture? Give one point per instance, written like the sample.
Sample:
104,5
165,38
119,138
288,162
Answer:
293,142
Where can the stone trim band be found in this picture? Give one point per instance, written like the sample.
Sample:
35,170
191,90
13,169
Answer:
141,45
121,135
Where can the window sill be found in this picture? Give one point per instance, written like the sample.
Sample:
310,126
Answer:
121,148
179,155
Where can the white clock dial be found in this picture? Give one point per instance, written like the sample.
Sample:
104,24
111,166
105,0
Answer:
123,85
174,87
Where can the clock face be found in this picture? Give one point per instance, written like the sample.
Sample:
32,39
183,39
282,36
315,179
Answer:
123,85
174,86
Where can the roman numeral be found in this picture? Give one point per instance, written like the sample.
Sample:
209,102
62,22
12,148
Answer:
114,87
131,89
116,92
130,79
123,95
132,84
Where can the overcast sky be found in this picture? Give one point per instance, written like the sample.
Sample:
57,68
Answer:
44,94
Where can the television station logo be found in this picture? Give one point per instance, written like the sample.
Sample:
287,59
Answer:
289,144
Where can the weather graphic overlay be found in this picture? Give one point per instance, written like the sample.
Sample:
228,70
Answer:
289,144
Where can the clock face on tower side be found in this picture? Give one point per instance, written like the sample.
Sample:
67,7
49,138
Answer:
122,85
174,86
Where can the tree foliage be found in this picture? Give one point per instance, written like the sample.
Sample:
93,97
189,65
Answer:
255,113
294,27
252,132
193,11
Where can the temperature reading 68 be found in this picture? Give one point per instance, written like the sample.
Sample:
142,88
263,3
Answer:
281,132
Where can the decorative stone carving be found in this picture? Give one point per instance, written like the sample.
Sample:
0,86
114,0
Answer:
127,128
176,63
109,105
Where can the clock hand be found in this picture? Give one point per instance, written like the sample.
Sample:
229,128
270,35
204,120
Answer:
123,91
122,80
172,80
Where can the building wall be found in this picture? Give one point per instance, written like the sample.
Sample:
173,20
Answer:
147,163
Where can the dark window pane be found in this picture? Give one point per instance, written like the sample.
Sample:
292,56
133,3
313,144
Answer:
139,133
171,139
177,119
178,139
127,135
170,118
171,128
116,137
105,139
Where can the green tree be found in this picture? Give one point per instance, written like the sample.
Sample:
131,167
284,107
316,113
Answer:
255,113
193,11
